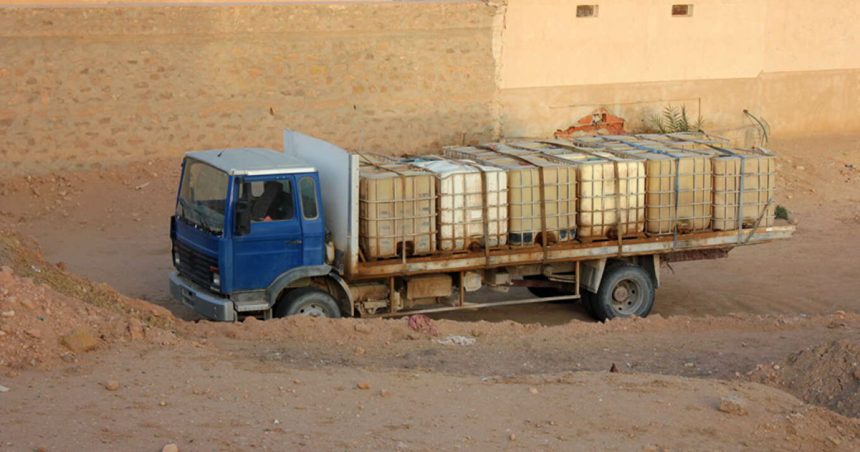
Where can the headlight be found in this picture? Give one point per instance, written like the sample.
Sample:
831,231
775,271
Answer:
216,278
176,258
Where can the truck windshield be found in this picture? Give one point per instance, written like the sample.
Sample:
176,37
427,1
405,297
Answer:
202,197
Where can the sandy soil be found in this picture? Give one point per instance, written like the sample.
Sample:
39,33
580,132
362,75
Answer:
199,400
770,334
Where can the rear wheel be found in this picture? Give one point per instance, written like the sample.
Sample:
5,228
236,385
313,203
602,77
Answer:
625,291
308,301
588,301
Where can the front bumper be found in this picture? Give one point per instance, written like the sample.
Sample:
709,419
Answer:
202,301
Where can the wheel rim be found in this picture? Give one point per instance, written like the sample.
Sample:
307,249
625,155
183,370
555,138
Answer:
627,297
313,310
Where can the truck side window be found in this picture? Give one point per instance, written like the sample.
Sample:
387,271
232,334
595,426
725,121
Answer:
308,190
270,200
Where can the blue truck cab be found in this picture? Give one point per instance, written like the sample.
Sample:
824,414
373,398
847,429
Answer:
248,224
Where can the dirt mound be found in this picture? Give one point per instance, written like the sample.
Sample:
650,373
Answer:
40,327
23,257
387,331
48,315
828,375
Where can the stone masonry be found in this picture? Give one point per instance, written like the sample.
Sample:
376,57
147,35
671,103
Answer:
93,86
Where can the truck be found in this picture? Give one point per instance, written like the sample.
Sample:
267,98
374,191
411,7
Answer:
266,233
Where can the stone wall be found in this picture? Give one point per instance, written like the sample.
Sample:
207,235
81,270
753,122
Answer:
85,86
792,103
82,86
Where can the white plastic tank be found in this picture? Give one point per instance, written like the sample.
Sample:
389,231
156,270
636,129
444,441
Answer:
471,202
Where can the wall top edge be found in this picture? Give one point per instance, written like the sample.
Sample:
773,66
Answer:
25,5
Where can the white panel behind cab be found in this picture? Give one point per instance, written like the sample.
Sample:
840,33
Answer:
338,170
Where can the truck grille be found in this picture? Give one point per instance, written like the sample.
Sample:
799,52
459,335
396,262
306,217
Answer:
195,265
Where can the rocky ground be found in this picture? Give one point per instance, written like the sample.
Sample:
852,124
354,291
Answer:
758,351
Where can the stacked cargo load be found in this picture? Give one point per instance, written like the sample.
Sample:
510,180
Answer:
744,183
471,202
744,180
397,209
678,192
610,190
541,192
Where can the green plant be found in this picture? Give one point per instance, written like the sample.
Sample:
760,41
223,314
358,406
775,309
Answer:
781,213
674,119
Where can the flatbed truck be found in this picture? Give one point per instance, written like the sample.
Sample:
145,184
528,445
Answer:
233,259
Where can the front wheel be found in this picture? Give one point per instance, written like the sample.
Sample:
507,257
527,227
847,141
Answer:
625,291
308,301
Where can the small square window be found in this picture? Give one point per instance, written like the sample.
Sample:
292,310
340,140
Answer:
586,10
682,10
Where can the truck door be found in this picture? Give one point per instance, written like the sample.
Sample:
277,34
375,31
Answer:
313,227
275,242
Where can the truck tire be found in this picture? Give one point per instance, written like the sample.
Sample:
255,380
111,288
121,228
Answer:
308,301
625,291
587,299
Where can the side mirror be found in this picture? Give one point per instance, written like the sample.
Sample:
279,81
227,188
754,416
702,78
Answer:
243,217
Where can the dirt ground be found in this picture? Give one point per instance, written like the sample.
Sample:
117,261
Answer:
771,332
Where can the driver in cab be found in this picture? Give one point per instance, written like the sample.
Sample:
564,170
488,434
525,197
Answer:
274,204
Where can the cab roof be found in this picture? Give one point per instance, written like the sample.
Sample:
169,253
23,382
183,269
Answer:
251,161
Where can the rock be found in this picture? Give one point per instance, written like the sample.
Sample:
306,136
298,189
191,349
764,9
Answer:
172,447
135,329
385,393
613,368
363,386
360,351
512,437
112,385
733,404
533,390
34,333
81,340
9,313
857,374
4,388
457,340
362,328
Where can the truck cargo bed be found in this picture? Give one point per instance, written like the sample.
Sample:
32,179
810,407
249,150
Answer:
571,251
339,174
